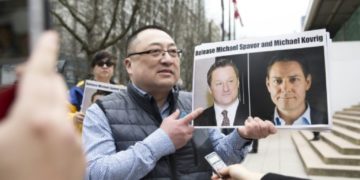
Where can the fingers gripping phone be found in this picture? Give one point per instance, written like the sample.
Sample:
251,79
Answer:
216,162
21,23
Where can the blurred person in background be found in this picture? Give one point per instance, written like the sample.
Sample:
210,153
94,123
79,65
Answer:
102,70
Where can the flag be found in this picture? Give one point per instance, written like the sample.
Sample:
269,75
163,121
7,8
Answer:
236,13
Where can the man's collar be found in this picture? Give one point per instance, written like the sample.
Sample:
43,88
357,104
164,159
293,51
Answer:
232,107
172,96
304,119
142,92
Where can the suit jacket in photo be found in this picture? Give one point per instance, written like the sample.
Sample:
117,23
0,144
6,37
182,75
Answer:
208,117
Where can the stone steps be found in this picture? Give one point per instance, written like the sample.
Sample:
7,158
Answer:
314,164
358,105
337,153
347,134
349,118
341,145
351,113
328,154
356,108
347,124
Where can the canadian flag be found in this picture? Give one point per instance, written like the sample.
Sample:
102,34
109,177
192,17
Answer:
236,13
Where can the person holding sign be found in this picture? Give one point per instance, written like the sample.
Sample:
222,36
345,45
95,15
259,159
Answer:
103,66
144,131
288,80
223,81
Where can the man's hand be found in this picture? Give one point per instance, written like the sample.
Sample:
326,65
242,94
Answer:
179,130
256,128
78,117
36,140
237,172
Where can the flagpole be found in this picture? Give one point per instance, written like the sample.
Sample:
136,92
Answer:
234,28
222,23
230,19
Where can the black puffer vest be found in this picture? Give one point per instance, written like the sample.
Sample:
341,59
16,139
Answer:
133,116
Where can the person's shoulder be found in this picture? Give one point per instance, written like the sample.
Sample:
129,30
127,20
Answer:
185,94
317,116
185,98
208,112
80,83
121,86
79,86
206,118
209,109
117,96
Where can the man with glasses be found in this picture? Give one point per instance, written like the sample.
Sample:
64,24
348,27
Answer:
102,68
144,131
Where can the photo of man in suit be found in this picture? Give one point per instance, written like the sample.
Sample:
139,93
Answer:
288,80
227,110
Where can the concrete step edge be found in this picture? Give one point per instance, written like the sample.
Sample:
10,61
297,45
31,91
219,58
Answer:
352,109
346,112
341,145
314,165
346,120
342,116
348,125
328,154
354,113
349,135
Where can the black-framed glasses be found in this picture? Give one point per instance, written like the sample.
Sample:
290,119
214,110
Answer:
159,52
107,63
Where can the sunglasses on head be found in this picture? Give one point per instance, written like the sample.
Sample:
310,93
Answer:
102,63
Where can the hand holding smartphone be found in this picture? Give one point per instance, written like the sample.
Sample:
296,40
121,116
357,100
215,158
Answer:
21,24
216,162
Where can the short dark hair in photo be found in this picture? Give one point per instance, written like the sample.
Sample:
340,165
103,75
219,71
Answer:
99,92
288,56
221,63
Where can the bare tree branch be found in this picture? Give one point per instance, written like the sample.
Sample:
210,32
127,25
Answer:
113,21
71,31
123,33
122,22
74,14
96,15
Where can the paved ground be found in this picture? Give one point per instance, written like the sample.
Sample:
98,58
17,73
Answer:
277,154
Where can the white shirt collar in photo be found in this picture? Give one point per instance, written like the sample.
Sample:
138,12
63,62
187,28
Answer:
304,119
231,113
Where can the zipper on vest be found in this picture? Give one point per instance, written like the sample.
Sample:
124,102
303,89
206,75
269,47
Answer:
172,167
194,151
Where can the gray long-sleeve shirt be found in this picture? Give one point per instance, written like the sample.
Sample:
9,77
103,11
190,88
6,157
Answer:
138,160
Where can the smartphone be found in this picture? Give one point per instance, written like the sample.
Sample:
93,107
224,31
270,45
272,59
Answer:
21,24
216,162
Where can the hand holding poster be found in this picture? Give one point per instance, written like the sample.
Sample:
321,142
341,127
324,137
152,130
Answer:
282,79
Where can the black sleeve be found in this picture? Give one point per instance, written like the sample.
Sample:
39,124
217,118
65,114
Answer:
273,176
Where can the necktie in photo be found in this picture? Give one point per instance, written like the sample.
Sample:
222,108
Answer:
226,121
